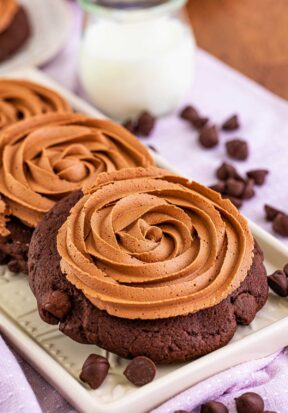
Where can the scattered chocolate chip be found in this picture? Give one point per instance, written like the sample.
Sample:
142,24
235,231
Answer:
250,403
258,176
141,370
213,407
278,282
245,308
208,137
231,123
145,124
248,191
235,201
225,171
285,269
219,187
237,149
58,304
199,122
13,266
271,212
234,187
189,113
129,125
94,370
280,225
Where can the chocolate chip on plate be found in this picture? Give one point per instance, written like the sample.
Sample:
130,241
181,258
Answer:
235,201
141,370
280,225
189,113
145,124
258,176
58,304
271,212
234,187
248,191
218,187
278,282
208,137
129,125
231,123
250,403
213,407
225,171
94,370
237,149
199,122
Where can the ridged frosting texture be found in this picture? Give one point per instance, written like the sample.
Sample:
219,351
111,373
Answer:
46,157
8,9
144,243
21,99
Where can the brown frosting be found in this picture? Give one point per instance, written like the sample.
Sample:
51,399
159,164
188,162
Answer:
46,157
8,9
21,99
145,243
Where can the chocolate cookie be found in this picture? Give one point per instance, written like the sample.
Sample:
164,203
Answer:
165,340
15,35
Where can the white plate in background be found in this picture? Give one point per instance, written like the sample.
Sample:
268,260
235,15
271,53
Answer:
59,359
50,26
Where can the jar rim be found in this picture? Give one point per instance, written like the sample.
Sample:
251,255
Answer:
132,8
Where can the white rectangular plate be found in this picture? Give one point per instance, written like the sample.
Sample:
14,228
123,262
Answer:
59,359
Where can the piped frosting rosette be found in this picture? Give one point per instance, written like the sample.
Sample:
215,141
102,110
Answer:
47,157
147,244
21,99
8,9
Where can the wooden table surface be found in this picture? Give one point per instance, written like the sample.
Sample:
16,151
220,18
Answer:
249,35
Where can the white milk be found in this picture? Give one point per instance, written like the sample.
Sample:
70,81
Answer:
146,65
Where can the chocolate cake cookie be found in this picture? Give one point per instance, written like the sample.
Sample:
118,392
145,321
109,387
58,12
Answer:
14,28
22,99
45,158
147,263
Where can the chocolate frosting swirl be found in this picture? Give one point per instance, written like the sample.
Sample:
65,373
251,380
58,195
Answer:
8,9
46,157
145,243
21,99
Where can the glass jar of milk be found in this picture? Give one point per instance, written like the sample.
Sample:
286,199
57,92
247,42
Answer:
136,55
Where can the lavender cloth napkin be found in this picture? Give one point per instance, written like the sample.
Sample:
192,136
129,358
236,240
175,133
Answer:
22,389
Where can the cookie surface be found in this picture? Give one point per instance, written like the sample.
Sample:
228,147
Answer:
167,340
15,35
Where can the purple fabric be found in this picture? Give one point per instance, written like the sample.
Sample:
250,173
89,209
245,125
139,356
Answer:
24,390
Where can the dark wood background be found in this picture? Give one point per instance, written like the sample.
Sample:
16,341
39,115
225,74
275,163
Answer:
249,35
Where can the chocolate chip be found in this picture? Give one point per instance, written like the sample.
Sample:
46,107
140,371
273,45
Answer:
14,266
278,282
189,113
258,176
280,225
208,137
245,308
145,124
219,187
231,123
271,212
250,403
237,149
235,201
285,269
129,125
58,304
94,370
199,122
213,407
225,171
234,187
248,191
141,370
